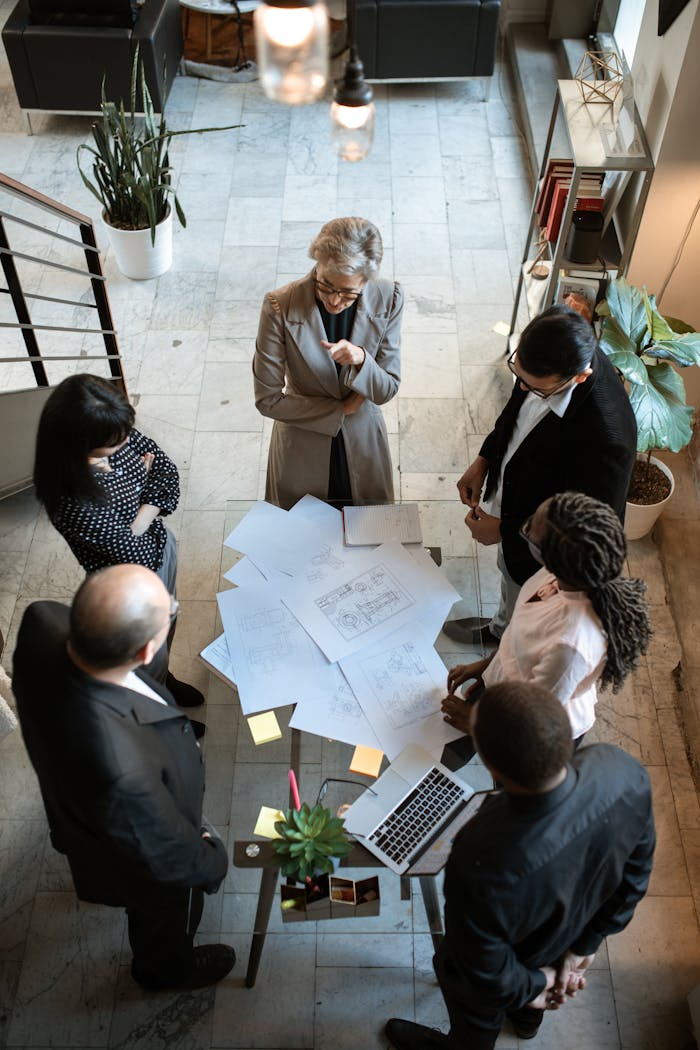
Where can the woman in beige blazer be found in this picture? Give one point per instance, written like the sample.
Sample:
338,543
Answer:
327,355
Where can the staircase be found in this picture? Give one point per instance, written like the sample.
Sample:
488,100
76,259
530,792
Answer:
55,317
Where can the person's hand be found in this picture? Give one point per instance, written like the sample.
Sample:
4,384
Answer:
548,999
485,528
461,673
471,483
456,711
570,974
352,403
146,514
147,460
344,352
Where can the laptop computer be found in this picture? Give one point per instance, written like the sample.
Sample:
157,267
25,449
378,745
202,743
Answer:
410,806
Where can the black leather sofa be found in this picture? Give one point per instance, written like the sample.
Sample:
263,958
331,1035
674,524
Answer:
425,39
59,51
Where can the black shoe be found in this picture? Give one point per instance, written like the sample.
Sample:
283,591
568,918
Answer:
185,695
407,1035
198,728
210,963
471,631
524,1026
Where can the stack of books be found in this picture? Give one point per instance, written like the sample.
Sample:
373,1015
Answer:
554,190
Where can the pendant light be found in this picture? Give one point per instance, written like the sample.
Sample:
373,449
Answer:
352,112
292,49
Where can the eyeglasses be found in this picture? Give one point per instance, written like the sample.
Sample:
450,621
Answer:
524,533
174,608
544,394
342,293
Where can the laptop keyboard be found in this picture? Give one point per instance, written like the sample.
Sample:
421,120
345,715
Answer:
417,817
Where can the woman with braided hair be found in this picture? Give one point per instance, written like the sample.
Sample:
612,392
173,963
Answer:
576,621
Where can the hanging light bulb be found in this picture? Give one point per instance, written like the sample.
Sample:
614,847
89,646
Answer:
291,37
352,112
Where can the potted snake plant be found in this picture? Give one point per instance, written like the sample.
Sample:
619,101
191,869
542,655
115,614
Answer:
131,177
644,346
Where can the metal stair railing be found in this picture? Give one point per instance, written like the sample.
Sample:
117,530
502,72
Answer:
25,292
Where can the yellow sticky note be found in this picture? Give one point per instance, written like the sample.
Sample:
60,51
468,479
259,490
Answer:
501,328
264,727
266,822
366,760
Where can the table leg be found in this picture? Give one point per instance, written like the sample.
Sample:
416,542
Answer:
268,885
432,908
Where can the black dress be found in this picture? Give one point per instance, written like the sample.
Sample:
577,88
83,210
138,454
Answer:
338,326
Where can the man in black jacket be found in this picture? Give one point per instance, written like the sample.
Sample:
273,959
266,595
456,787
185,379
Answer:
120,771
568,426
552,863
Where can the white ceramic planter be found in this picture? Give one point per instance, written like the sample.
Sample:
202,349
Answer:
136,256
640,519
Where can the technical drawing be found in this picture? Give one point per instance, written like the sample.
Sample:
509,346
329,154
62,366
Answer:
402,685
364,602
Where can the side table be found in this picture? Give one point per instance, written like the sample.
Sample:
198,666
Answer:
221,10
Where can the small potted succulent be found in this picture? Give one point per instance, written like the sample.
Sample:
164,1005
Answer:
132,180
643,345
309,840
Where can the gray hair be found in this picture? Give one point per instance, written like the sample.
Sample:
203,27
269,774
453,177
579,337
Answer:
349,246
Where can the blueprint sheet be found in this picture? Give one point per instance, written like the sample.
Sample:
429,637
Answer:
275,659
375,593
335,714
400,682
274,537
216,654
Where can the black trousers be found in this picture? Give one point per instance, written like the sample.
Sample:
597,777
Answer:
161,932
465,1033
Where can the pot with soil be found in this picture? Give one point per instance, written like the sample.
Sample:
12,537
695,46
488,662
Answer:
649,351
650,490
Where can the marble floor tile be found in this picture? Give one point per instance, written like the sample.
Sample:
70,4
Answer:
199,553
242,1016
236,319
419,487
472,227
405,189
183,303
354,1004
258,173
481,275
432,434
66,988
253,221
198,246
430,365
227,400
654,963
372,178
485,390
170,421
21,850
429,305
224,467
12,565
309,198
421,248
173,363
50,570
195,629
682,784
168,1020
18,521
246,273
669,877
416,154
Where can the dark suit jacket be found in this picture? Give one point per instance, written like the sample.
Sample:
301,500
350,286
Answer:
591,449
122,777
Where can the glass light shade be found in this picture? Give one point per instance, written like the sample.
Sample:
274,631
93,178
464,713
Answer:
292,50
352,130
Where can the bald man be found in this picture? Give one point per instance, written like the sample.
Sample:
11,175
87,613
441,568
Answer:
120,770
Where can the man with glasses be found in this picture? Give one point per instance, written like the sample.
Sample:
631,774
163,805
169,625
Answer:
120,771
568,425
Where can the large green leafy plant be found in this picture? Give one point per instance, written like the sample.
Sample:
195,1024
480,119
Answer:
131,172
309,837
643,345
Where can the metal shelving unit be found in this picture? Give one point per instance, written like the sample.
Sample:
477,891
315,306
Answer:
596,144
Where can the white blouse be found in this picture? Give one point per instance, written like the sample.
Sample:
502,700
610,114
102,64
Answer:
557,642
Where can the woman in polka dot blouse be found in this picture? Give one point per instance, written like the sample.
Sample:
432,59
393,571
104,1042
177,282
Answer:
106,488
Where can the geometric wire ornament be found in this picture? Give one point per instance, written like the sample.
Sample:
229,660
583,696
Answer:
599,76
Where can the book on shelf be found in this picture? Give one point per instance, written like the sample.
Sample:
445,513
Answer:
589,191
555,168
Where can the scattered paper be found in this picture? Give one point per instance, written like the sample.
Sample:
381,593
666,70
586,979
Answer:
216,654
366,760
377,524
335,714
400,682
244,572
265,825
264,728
274,537
501,328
